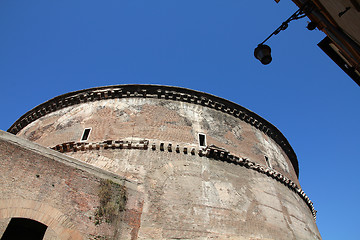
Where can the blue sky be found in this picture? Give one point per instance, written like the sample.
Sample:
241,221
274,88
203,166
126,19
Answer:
50,47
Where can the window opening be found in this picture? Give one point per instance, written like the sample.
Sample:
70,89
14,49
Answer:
202,140
86,134
24,228
267,162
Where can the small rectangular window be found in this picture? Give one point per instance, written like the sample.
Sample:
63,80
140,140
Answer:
267,162
85,135
202,140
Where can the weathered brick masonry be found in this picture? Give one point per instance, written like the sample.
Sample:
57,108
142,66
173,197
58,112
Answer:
192,166
59,191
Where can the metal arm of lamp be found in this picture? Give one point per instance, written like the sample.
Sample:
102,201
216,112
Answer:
262,51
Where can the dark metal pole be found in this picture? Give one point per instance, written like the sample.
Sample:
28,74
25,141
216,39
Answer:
300,13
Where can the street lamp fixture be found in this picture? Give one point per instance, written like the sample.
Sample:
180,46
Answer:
263,52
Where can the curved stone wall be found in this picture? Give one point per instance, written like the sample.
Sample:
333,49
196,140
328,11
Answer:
187,196
173,94
158,120
241,184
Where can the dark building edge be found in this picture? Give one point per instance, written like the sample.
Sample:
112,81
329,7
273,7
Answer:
160,92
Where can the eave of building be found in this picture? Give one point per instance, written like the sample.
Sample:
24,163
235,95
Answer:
158,92
340,21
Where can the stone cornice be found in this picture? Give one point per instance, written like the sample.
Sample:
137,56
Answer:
211,152
158,92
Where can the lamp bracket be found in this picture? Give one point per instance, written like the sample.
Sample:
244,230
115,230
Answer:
300,13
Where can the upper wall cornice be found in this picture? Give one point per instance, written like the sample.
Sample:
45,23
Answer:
158,92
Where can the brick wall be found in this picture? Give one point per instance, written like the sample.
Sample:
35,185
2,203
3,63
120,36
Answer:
58,191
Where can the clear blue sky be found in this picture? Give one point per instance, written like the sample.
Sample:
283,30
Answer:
50,47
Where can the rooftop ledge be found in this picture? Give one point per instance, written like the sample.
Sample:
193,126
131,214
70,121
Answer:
159,92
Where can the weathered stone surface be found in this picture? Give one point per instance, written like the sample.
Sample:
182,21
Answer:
160,120
240,183
180,95
191,197
58,191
